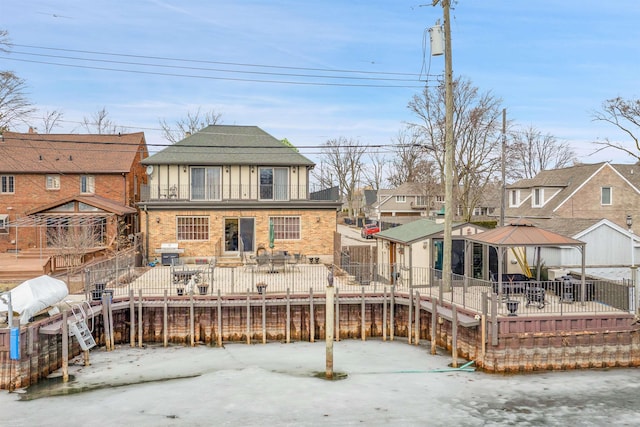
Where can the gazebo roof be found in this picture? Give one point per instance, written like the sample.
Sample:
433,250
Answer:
522,233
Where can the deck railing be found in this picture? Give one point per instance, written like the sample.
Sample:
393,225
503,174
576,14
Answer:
556,297
249,192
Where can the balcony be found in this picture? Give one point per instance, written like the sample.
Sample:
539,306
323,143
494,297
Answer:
249,192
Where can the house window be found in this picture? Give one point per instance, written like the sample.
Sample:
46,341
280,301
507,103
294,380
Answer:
514,200
538,196
286,227
422,200
401,199
192,228
4,219
53,182
87,184
440,199
274,183
205,183
6,184
605,197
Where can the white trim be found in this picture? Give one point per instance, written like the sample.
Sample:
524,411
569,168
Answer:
606,164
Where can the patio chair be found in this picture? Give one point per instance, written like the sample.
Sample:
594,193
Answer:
211,268
262,261
279,261
295,264
249,262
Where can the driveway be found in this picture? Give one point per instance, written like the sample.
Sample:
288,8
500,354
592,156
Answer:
351,236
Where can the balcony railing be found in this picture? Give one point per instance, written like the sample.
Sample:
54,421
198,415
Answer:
249,192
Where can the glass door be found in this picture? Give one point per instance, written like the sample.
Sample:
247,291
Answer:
239,235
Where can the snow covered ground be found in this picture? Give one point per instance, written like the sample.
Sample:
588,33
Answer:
388,383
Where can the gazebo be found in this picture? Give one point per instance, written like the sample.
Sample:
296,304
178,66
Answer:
522,233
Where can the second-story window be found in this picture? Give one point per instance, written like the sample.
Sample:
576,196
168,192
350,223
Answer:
7,184
605,197
53,182
274,183
538,195
87,184
401,199
514,200
422,200
205,183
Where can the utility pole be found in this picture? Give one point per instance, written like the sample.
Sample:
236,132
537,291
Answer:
503,203
449,147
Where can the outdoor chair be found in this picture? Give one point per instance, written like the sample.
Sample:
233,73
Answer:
262,261
279,261
297,259
211,268
249,262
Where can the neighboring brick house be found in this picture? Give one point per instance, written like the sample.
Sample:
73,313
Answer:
589,202
216,192
588,191
55,180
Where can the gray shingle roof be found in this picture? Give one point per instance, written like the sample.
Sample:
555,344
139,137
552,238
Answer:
566,179
230,145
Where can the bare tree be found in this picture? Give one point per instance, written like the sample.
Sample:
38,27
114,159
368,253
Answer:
410,163
51,119
625,115
100,123
343,157
5,42
14,105
476,133
72,242
373,171
189,125
532,152
323,175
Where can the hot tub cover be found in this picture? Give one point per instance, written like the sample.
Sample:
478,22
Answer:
34,295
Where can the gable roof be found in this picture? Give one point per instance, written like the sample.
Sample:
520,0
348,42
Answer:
406,189
69,153
417,230
96,201
567,181
229,145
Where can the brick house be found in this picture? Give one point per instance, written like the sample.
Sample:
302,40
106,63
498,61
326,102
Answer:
587,191
48,181
216,193
589,202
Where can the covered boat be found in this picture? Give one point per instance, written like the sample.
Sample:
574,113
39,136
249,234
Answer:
34,295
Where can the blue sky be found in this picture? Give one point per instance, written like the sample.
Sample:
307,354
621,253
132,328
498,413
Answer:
552,63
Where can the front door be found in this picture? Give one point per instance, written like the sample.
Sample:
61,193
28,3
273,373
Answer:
239,235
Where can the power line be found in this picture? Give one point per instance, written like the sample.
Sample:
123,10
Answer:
237,79
162,58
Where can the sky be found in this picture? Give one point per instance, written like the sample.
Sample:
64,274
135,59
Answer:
332,69
384,384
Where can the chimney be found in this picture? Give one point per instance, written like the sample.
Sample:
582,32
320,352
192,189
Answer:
32,130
